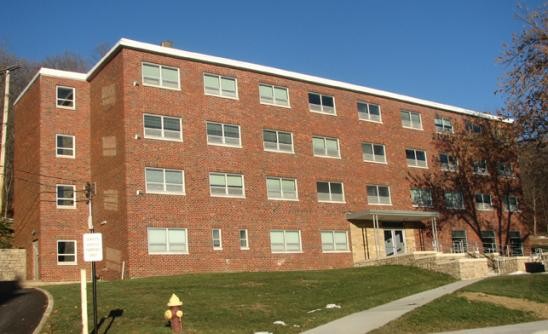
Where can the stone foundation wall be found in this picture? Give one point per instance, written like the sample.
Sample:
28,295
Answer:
12,264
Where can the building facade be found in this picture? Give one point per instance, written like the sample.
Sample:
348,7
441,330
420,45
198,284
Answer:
201,163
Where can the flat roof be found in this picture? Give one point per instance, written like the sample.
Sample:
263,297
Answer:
392,215
169,51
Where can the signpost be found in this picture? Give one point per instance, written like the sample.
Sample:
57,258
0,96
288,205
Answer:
93,251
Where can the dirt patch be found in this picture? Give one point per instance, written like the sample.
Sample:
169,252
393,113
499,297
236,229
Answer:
251,284
539,309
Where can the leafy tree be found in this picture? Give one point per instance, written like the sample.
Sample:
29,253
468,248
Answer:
475,177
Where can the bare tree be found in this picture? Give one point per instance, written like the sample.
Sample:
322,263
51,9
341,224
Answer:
476,171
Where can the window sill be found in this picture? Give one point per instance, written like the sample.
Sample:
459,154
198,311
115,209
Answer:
327,156
224,145
165,193
278,151
65,207
411,128
227,196
332,202
245,249
379,204
65,156
66,108
283,199
161,87
421,167
288,252
335,252
275,105
169,253
163,139
236,98
376,162
67,263
323,112
370,121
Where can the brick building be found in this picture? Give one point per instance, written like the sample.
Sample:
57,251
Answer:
203,164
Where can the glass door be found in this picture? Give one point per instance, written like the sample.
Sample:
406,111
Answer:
394,242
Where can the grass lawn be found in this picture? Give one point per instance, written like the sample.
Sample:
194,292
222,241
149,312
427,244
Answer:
453,312
241,302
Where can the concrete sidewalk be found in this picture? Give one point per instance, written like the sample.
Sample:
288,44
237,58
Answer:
368,320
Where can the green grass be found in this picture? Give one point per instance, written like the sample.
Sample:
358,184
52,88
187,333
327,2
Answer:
242,302
452,312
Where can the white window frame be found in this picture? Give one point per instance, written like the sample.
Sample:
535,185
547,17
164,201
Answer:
477,169
160,79
274,87
444,121
421,205
223,137
411,120
164,183
57,105
321,111
452,194
72,263
278,142
334,244
450,167
246,239
281,179
325,155
377,186
226,185
374,155
220,78
73,148
330,192
168,251
219,239
507,206
57,198
504,172
416,160
285,251
368,119
483,206
163,130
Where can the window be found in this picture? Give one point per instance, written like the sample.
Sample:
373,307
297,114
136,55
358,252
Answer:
416,158
66,196
373,153
244,239
443,125
483,201
165,181
217,240
277,141
454,200
223,134
378,195
277,96
281,188
330,192
226,185
162,127
510,203
326,147
369,112
321,103
220,86
480,167
167,241
65,146
421,197
160,76
334,241
411,119
473,127
516,245
66,97
283,241
66,252
458,239
504,169
489,241
448,162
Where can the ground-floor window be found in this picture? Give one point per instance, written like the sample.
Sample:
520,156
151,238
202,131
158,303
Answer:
515,243
217,239
244,239
167,241
284,241
334,241
66,252
459,242
489,241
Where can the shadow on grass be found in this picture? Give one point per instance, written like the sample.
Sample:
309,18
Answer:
112,315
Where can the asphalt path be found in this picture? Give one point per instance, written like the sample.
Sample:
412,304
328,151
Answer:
21,310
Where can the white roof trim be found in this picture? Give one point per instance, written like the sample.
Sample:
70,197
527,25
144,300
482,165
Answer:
48,72
252,67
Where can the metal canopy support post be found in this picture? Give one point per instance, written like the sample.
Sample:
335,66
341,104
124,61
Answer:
376,232
435,241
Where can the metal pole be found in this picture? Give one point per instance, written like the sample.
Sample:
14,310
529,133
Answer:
4,138
89,194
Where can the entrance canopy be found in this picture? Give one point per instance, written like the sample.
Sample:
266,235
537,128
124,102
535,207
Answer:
392,215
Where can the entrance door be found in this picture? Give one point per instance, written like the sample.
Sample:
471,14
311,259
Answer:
35,263
394,242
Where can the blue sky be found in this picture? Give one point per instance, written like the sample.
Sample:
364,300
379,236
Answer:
441,50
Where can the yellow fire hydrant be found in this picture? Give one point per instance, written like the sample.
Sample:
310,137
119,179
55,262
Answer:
174,314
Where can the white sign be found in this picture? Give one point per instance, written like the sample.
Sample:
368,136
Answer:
93,247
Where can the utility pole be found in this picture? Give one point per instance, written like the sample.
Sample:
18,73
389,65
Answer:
5,113
90,192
